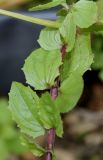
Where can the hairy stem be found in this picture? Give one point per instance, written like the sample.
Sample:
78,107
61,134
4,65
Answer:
43,22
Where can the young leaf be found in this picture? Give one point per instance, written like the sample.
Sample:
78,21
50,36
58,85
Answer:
68,31
49,114
23,104
50,39
36,149
85,13
70,92
80,59
42,67
52,4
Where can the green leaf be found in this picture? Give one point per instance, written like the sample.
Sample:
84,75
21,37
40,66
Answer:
49,114
59,127
42,68
100,10
50,39
36,149
52,4
85,13
80,59
70,92
23,104
68,31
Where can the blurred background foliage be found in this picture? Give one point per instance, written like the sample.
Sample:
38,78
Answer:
83,127
9,135
14,4
97,44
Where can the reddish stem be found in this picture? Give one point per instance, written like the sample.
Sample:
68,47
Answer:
54,92
50,143
63,51
51,132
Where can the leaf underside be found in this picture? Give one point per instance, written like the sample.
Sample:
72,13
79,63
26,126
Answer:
23,106
50,39
42,68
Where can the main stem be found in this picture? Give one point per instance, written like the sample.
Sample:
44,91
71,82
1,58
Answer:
51,132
